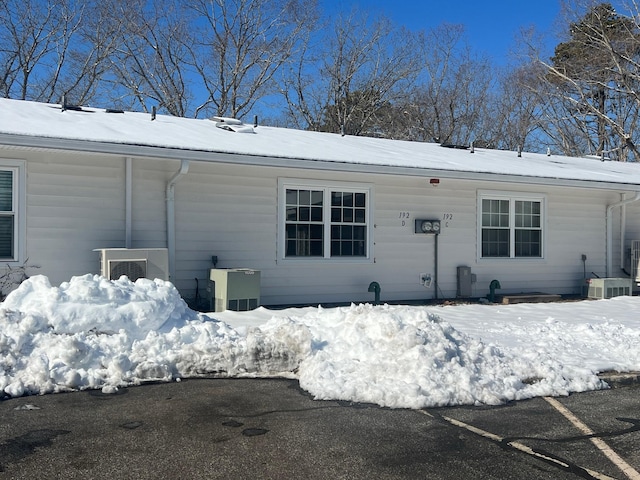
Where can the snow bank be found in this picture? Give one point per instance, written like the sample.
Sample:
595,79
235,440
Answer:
94,333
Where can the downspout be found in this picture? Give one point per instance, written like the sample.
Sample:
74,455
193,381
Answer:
128,202
171,216
610,208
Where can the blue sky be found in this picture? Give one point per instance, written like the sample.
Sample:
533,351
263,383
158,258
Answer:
491,26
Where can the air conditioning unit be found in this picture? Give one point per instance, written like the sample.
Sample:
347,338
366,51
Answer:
635,260
135,263
235,289
600,288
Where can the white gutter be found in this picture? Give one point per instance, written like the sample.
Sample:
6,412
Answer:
128,202
610,208
171,216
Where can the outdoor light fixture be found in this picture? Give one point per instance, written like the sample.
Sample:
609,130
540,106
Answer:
427,226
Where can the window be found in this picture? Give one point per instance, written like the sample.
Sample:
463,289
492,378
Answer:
511,226
324,221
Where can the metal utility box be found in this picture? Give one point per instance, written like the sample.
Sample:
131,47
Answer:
235,289
464,282
600,288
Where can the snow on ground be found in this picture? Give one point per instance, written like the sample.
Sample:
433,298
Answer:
94,333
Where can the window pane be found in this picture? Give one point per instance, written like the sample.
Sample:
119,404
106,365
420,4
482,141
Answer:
347,240
495,213
336,199
316,197
527,214
292,197
336,214
304,197
360,215
495,242
528,243
6,191
304,240
6,236
316,214
361,200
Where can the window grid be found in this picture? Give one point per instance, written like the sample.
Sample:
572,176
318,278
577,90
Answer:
304,230
7,215
511,228
325,222
348,224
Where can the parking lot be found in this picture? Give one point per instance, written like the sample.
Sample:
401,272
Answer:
256,428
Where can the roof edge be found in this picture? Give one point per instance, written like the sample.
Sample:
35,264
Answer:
168,153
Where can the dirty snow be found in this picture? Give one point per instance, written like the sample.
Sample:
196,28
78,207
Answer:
92,333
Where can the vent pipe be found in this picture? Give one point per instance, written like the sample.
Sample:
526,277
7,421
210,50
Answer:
153,113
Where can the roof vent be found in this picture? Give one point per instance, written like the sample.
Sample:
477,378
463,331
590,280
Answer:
452,145
66,106
232,125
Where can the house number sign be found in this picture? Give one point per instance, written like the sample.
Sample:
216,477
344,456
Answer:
405,216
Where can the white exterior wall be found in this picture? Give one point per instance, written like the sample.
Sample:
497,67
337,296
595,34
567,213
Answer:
76,203
73,205
231,212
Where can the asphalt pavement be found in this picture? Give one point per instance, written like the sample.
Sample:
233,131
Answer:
271,429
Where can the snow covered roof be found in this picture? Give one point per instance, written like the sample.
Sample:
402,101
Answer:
31,124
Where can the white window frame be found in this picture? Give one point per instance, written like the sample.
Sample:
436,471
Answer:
327,187
512,197
18,212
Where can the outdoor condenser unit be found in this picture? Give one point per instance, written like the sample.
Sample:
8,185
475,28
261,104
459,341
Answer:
600,288
135,263
235,289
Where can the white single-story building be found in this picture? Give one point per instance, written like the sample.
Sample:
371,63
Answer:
320,216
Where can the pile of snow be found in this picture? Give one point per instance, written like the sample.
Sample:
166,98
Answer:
94,333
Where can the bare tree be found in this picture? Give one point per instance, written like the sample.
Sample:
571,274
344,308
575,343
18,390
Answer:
452,98
50,49
592,84
348,80
149,65
237,46
513,117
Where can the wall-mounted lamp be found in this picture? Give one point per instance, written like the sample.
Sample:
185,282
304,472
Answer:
434,182
427,226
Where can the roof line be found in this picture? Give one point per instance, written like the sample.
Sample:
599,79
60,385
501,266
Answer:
169,153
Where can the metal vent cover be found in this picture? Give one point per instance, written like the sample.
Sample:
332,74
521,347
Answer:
133,269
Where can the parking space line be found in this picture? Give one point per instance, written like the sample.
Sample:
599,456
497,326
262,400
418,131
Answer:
517,445
618,461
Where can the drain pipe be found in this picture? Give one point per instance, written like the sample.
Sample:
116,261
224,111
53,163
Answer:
610,208
171,216
128,202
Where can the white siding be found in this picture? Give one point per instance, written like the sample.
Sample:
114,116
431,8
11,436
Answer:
76,203
231,212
